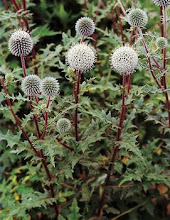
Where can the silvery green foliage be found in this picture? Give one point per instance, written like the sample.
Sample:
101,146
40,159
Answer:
162,2
124,60
20,43
161,42
31,85
81,57
137,18
85,26
63,125
49,86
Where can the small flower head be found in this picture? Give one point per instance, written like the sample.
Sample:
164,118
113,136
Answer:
85,26
20,43
81,57
161,42
31,85
63,125
162,2
137,18
49,86
124,60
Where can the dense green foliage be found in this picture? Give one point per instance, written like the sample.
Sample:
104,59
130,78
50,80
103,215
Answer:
138,187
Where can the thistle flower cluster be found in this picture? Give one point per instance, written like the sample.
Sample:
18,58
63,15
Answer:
49,86
20,43
162,2
32,85
161,42
85,26
81,57
137,18
63,125
124,60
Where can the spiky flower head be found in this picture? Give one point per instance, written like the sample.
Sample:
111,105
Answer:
20,43
31,85
81,57
137,18
63,125
85,26
124,60
49,86
161,42
162,2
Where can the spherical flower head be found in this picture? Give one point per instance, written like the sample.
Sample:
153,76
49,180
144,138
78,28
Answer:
31,85
81,57
124,60
162,2
20,43
63,125
85,26
137,18
49,86
161,42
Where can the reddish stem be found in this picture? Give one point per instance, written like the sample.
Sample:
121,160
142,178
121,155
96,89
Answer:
5,3
120,25
129,82
49,177
46,119
149,60
23,66
64,145
163,80
17,120
24,5
116,147
76,94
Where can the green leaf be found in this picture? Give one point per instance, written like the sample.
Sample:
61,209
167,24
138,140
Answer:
74,209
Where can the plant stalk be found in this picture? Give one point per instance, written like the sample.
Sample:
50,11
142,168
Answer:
116,147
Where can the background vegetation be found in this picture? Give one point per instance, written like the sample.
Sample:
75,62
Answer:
138,187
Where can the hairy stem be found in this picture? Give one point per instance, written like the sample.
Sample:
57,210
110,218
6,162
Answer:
115,148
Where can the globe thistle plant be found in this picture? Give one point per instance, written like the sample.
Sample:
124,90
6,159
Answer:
20,43
161,42
162,2
49,86
85,26
137,18
63,125
81,57
124,60
31,85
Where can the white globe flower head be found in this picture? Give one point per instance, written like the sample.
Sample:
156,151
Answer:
137,18
161,42
124,60
85,26
81,57
49,86
31,85
20,43
162,2
63,125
